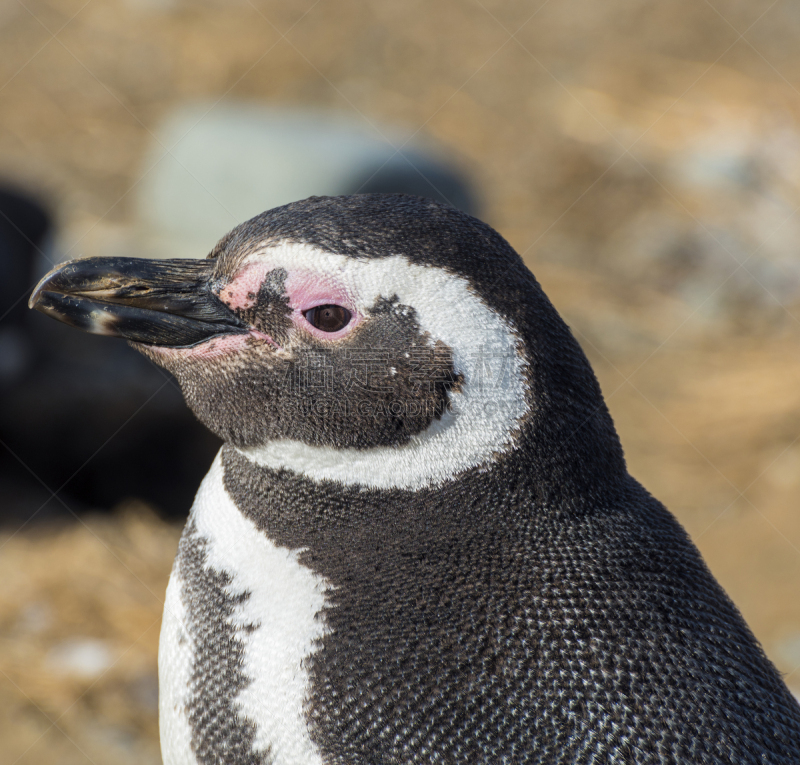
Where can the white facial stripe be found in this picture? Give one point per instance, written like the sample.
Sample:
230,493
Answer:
285,598
483,416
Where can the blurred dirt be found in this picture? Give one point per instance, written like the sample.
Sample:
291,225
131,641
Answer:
80,615
595,133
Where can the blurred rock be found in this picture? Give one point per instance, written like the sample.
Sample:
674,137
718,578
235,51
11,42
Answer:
83,658
213,166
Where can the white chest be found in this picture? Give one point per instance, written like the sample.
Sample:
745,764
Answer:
262,621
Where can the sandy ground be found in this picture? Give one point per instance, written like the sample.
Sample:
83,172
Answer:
578,129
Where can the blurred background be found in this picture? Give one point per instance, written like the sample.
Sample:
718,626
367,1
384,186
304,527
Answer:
643,158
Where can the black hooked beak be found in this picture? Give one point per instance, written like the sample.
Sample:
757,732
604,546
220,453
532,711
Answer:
155,302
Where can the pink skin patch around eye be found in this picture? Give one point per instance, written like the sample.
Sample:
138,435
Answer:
306,289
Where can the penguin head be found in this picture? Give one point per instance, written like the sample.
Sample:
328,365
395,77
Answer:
381,340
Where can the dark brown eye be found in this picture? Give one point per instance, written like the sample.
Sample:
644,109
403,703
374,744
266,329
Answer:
328,318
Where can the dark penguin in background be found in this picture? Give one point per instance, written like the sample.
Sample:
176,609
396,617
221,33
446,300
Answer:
420,542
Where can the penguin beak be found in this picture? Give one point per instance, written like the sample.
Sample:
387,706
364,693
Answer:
155,302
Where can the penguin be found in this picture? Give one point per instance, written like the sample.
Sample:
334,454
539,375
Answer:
420,542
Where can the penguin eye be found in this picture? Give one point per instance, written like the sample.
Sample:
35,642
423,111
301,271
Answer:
328,318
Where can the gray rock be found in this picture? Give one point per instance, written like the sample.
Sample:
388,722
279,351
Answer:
213,166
